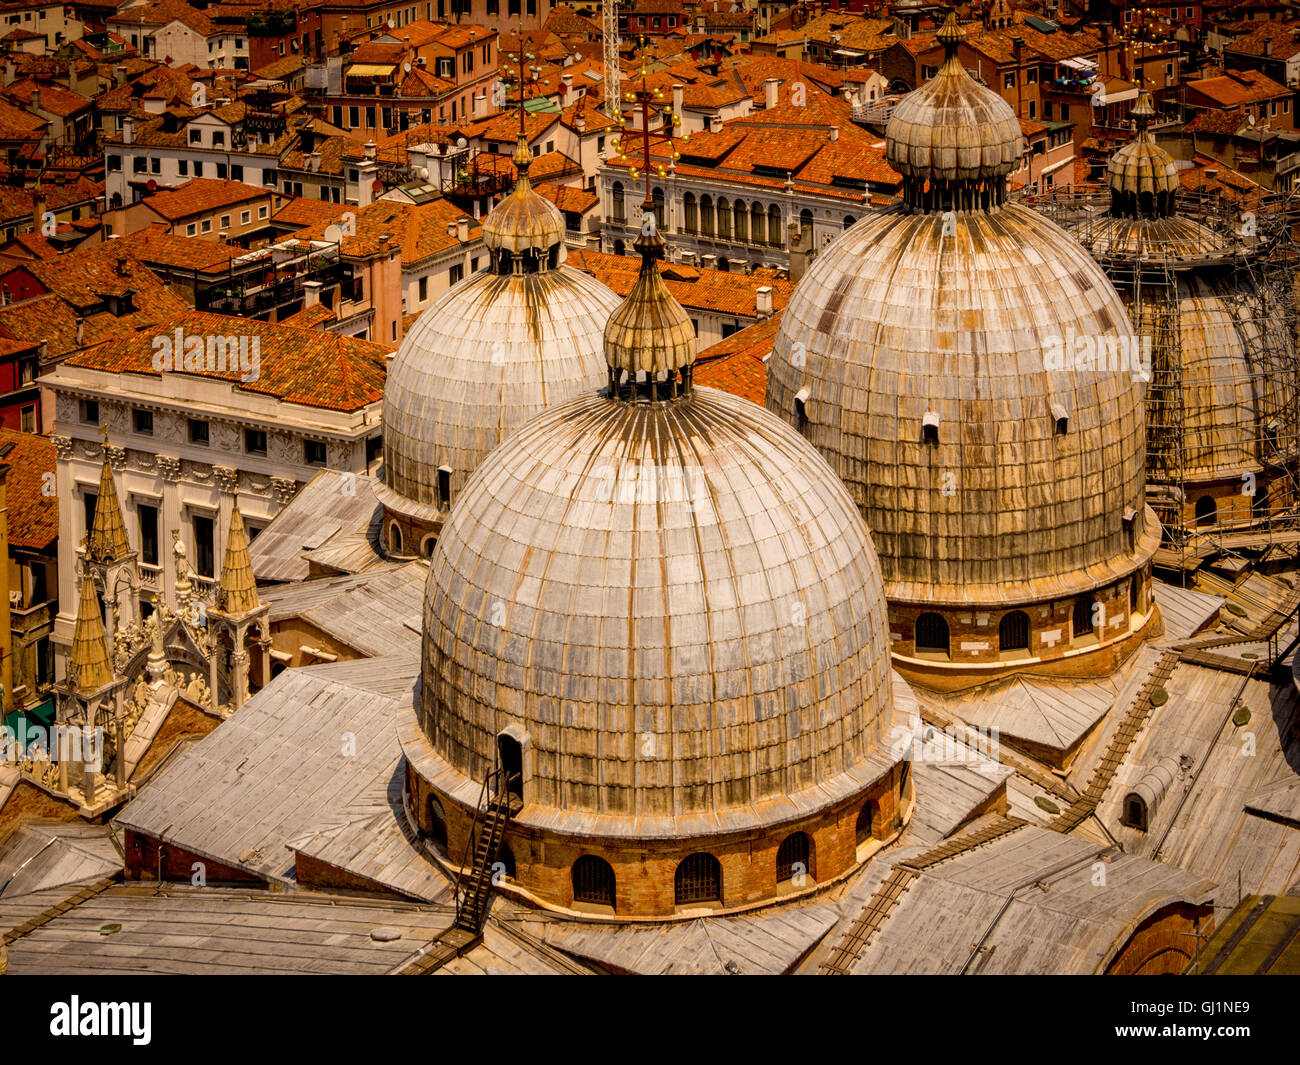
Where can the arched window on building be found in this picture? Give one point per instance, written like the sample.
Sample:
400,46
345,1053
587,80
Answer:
706,215
1081,619
395,538
698,879
740,218
1013,632
849,221
775,230
724,218
657,196
805,221
690,213
620,248
1207,511
931,635
618,210
437,822
1134,593
757,224
593,881
794,857
865,829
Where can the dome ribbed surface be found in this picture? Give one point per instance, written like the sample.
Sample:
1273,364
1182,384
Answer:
650,331
1142,168
676,600
482,360
898,320
524,219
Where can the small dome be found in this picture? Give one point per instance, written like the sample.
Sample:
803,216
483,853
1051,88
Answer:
1142,176
952,128
650,331
524,220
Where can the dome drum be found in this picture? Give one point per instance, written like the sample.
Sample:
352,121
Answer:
641,868
949,648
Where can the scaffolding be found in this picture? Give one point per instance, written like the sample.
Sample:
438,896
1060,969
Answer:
1238,263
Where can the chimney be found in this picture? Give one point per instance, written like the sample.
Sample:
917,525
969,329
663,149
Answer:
480,104
835,133
311,293
678,96
370,149
1268,47
715,123
763,301
81,332
580,123
385,239
11,71
770,87
119,76
128,129
313,162
567,80
462,229
36,99
38,211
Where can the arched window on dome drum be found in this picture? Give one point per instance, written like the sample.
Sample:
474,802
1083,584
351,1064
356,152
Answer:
1207,511
1081,621
437,822
1135,812
931,634
706,215
690,214
724,218
775,235
593,881
849,221
505,262
1134,593
794,857
618,210
1013,631
740,218
427,545
757,224
395,538
553,256
865,829
698,879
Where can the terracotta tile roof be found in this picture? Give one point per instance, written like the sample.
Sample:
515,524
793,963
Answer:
736,364
565,21
419,230
1212,120
161,12
281,68
33,515
568,197
17,205
714,291
201,196
1239,87
1277,40
301,212
304,366
17,125
55,99
155,244
316,315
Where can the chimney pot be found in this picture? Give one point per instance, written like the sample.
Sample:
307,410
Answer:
462,229
835,133
311,293
763,301
770,87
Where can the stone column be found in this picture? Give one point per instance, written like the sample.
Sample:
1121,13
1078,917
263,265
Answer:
170,470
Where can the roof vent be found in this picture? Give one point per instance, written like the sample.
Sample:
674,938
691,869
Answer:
930,427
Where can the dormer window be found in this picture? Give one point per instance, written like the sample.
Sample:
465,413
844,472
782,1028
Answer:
444,486
930,427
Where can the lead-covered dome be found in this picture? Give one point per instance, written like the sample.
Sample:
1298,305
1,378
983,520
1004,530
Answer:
941,356
498,348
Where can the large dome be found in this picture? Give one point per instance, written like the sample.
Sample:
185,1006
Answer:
972,375
495,350
677,601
